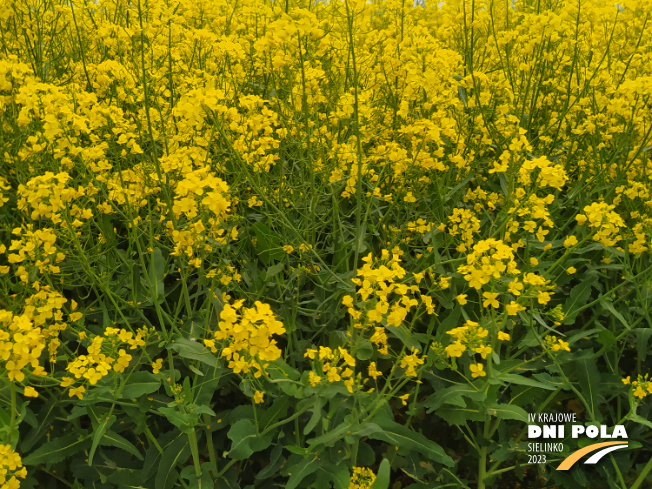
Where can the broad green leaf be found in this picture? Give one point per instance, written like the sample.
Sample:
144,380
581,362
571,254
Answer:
192,350
274,270
507,411
403,334
365,350
301,471
175,454
139,384
401,436
276,411
268,244
114,440
382,478
589,384
184,421
156,275
577,298
57,450
642,340
453,395
245,440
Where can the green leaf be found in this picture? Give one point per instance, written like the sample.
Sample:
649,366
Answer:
139,384
365,350
331,436
642,340
268,244
507,411
114,440
316,416
275,463
192,350
609,306
453,395
301,471
590,383
156,275
175,454
520,380
274,270
103,424
184,421
640,420
459,416
245,440
401,436
382,478
403,334
57,450
577,298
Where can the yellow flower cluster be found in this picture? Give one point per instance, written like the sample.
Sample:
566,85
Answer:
556,344
336,365
105,354
24,337
471,338
9,462
641,387
248,333
362,478
34,251
46,196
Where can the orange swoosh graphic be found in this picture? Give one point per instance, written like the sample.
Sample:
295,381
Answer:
575,456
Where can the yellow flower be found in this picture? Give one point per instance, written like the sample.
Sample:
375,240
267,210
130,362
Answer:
639,392
571,270
483,350
314,379
404,399
490,299
373,372
477,370
513,308
455,349
570,241
581,219
409,198
502,336
534,262
627,380
157,365
462,299
78,391
544,297
288,249
29,391
258,397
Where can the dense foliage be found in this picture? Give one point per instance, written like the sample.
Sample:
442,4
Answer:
322,244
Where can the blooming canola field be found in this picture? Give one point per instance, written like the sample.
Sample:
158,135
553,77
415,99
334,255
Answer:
346,244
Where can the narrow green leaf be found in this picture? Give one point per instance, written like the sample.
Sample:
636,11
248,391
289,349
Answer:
57,450
114,440
301,471
401,436
104,423
508,411
176,453
578,297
